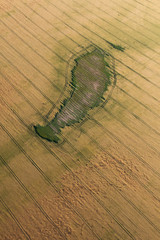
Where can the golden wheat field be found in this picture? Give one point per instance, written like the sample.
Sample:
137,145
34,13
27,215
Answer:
102,181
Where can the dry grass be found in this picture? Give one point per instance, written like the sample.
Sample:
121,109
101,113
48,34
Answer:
103,181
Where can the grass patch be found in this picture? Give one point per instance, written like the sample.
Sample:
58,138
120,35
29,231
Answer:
118,47
90,79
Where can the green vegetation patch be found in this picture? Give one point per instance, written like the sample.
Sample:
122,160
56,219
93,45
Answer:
90,79
118,47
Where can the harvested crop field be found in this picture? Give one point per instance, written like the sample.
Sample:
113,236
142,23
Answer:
102,180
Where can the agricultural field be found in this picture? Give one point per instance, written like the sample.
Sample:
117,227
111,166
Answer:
101,180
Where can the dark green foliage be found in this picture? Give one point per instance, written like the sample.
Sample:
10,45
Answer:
107,65
47,133
118,47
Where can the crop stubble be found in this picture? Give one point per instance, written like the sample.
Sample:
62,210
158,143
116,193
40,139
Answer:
132,171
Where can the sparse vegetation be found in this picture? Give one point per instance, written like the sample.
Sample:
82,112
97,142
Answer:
90,79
